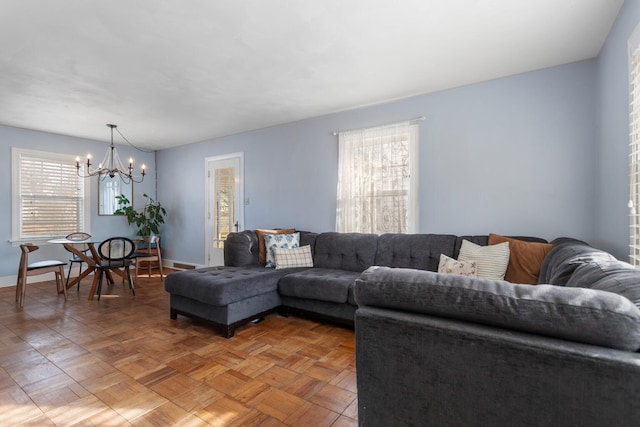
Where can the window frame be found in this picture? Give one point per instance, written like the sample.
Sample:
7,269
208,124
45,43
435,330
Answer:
16,179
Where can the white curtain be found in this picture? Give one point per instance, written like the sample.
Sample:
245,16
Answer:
634,149
377,179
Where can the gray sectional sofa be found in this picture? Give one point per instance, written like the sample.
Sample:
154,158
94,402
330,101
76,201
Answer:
442,350
242,290
445,350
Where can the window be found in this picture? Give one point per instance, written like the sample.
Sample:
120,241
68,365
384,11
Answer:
634,147
377,179
48,196
224,181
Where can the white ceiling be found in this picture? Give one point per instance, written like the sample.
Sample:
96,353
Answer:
172,72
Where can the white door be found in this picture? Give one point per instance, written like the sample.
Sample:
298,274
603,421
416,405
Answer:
224,203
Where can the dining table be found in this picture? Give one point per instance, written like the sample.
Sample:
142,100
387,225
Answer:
92,260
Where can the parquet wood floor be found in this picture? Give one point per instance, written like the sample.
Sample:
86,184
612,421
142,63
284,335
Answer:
122,361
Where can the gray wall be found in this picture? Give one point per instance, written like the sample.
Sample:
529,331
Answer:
515,155
612,192
101,226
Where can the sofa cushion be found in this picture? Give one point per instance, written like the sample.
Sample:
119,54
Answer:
220,286
293,257
319,284
563,259
420,251
483,240
453,266
491,261
345,251
608,275
525,259
284,241
262,249
585,315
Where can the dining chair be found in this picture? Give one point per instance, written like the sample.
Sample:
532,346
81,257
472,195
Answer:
115,254
150,255
82,247
27,269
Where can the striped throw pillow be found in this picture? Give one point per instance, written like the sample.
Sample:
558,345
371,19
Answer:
294,257
491,261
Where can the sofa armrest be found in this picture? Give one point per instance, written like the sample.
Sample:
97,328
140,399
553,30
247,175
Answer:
417,369
584,315
241,249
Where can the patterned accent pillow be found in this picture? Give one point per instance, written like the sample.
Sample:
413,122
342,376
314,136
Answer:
292,258
283,241
491,261
262,250
453,266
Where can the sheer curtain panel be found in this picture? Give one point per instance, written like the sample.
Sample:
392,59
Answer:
634,148
377,179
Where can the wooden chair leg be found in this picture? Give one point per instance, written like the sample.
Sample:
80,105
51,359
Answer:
131,286
100,284
18,289
19,285
60,284
79,274
23,290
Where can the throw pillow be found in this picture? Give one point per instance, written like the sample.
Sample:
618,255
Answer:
453,266
262,252
525,259
293,258
272,241
491,261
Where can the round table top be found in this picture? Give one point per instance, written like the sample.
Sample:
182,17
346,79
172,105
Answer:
64,240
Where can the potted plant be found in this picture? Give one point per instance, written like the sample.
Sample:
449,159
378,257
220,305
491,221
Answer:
147,219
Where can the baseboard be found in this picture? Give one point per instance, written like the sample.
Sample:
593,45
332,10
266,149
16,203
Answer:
7,281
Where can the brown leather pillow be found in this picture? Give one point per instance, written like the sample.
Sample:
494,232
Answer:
262,249
525,259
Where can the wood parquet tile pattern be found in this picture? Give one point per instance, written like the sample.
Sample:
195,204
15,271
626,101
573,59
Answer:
121,361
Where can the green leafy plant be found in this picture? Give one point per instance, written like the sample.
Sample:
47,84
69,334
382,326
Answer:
147,219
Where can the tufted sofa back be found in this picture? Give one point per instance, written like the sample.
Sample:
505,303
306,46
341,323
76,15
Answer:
345,251
419,251
241,248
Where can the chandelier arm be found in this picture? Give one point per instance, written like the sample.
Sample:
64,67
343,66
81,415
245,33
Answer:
112,165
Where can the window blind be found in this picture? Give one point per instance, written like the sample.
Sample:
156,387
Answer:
224,190
51,197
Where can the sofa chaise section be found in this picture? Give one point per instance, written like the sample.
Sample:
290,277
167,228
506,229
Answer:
224,296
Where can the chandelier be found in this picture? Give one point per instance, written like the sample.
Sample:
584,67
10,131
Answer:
111,165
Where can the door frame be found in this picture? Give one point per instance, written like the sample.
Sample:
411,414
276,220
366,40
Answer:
208,214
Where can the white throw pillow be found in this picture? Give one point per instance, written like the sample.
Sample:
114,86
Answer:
286,241
293,258
449,265
491,261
